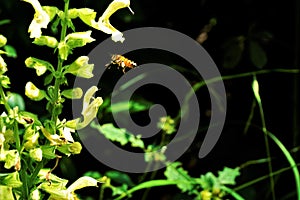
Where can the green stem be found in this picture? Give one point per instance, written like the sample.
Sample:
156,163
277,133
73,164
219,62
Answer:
4,99
59,69
261,178
232,193
101,196
290,160
200,84
264,129
23,176
148,184
36,171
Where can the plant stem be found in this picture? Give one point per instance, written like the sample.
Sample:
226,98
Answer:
261,178
264,129
23,176
59,69
148,184
4,99
200,84
101,196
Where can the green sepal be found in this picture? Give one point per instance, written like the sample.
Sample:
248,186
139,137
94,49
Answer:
46,41
51,11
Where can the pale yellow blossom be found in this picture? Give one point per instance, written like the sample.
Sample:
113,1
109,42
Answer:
41,19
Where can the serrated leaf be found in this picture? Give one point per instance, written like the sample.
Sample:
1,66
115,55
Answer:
208,181
228,175
177,173
257,54
114,134
119,177
119,135
234,49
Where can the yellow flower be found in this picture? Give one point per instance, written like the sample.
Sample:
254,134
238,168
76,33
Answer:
33,92
80,67
3,65
36,154
90,107
103,23
41,19
3,40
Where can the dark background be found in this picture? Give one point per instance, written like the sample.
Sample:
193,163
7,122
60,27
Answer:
279,91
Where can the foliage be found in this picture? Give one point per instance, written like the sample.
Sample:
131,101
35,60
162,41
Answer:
29,142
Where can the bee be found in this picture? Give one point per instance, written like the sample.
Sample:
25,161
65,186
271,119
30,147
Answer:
122,62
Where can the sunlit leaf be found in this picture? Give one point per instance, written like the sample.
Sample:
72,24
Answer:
119,135
48,151
177,173
208,181
228,175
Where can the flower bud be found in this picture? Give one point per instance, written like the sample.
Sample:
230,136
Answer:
46,40
74,93
3,40
36,154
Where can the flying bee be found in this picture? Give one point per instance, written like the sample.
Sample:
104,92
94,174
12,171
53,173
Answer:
122,62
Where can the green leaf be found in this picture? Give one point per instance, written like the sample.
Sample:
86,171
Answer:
257,54
48,151
10,51
15,99
208,181
54,25
11,180
234,49
133,106
119,135
177,173
48,79
93,174
228,175
4,21
119,177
